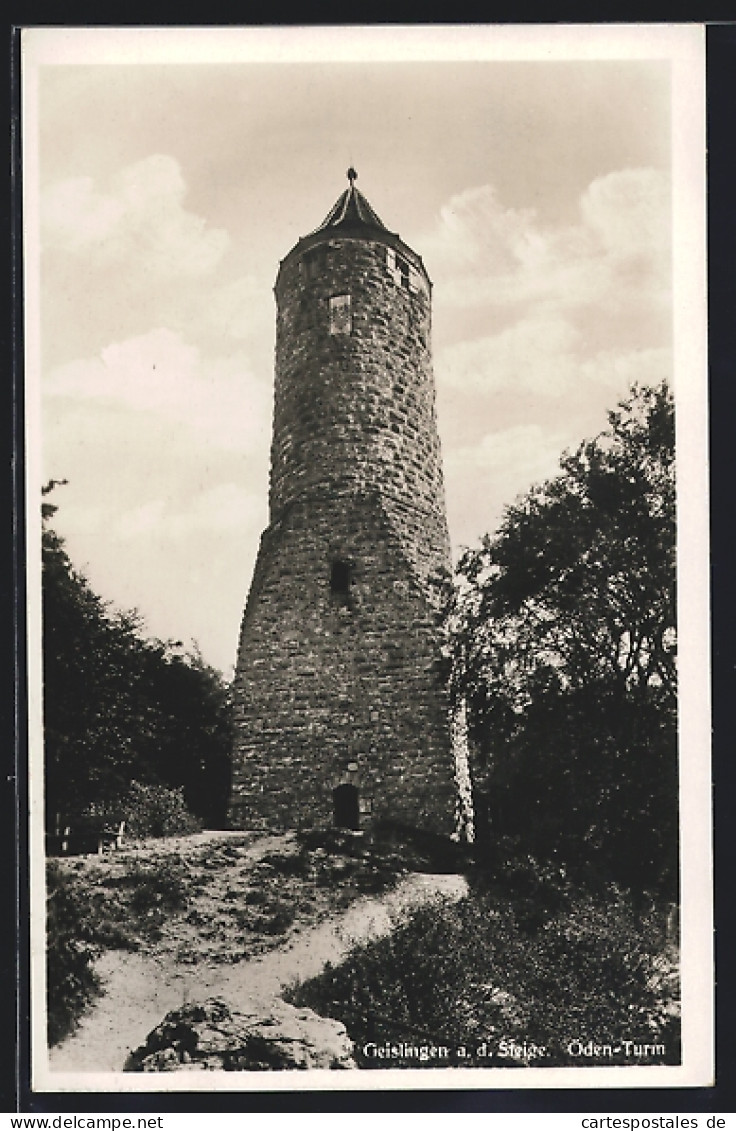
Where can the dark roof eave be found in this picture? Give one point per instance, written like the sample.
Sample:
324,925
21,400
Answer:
355,232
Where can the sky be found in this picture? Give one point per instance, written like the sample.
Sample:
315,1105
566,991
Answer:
165,182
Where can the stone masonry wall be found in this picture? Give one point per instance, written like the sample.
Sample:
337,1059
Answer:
345,687
357,411
325,681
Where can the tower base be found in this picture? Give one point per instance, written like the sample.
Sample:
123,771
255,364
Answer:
340,706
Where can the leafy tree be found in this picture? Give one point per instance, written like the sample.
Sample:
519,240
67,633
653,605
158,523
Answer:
561,632
119,707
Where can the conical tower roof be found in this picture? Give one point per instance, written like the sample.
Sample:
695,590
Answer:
352,217
351,210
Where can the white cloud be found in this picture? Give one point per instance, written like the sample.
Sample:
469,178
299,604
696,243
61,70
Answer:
547,357
128,256
576,316
476,233
536,354
538,375
159,373
140,521
239,309
518,457
630,211
156,520
617,256
166,453
484,477
228,506
618,371
140,217
225,507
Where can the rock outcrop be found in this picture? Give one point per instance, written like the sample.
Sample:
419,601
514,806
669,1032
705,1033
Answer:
216,1036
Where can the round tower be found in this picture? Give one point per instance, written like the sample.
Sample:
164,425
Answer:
341,712
354,401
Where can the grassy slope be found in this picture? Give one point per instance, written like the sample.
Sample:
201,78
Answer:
192,900
502,975
542,969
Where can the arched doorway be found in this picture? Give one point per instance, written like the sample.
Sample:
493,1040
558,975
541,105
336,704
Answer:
346,807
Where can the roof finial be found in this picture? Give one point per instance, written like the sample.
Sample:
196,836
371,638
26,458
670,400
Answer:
352,176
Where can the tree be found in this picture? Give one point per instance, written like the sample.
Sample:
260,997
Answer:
120,708
561,632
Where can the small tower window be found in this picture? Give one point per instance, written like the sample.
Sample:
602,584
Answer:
341,577
398,268
341,319
315,262
402,272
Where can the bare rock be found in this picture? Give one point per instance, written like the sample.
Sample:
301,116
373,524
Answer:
215,1036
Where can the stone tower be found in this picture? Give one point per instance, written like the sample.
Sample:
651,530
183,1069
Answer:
341,714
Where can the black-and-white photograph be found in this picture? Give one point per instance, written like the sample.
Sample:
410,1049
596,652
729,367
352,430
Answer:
367,557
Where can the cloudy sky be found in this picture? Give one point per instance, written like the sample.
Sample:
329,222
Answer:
165,181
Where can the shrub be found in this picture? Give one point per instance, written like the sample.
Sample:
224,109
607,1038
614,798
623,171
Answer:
375,879
289,863
256,897
158,889
70,979
92,911
463,973
150,811
131,906
278,920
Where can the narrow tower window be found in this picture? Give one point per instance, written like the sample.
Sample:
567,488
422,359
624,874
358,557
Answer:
341,576
398,268
402,272
315,262
341,319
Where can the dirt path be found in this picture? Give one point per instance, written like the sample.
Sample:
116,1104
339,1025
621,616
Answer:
141,987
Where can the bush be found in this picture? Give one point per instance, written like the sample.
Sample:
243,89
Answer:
289,863
277,920
149,811
157,890
460,974
256,897
71,982
159,887
91,911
